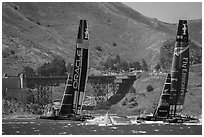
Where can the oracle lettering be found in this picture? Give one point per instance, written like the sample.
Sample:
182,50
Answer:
77,69
79,52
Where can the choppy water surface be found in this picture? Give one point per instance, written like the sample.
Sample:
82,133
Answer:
62,127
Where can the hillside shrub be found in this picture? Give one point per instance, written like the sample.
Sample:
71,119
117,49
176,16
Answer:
137,65
166,53
109,64
28,71
5,53
132,99
114,44
149,88
70,68
122,65
133,104
157,67
16,7
99,48
144,65
124,103
38,23
56,67
116,64
132,90
12,52
29,18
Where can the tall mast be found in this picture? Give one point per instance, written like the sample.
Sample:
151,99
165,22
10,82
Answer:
83,46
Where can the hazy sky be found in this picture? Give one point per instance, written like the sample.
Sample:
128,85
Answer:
169,12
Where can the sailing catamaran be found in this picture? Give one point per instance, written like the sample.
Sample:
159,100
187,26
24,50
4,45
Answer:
173,94
73,97
74,92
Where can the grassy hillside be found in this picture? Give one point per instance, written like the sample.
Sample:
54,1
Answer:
33,33
141,101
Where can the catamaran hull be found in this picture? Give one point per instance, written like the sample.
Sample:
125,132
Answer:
182,120
178,119
72,101
173,94
72,118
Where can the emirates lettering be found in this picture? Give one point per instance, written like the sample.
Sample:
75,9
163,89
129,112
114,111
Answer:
185,62
184,77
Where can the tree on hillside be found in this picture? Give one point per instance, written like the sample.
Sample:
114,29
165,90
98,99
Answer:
195,54
131,65
109,64
144,65
157,67
137,65
149,88
56,67
28,71
123,65
166,53
119,64
114,44
69,68
99,48
117,59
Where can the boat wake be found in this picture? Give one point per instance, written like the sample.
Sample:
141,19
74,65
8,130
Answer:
109,120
